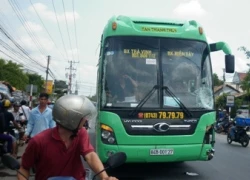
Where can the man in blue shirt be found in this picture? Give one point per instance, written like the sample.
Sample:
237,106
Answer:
40,118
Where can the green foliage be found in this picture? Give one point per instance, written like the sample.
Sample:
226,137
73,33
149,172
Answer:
245,50
237,104
245,84
217,81
221,101
37,80
12,73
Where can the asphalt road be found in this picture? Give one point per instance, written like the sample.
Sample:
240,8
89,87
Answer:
231,162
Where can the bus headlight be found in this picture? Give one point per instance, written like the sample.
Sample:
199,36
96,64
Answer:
107,135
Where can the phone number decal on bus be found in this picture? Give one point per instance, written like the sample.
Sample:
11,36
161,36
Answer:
161,115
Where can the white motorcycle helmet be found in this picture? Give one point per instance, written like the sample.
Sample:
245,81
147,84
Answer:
69,110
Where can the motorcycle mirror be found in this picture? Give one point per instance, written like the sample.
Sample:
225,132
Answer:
10,162
116,159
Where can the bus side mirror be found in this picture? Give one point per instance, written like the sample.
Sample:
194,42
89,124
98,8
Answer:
229,63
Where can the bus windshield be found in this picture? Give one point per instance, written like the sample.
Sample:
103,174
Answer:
133,65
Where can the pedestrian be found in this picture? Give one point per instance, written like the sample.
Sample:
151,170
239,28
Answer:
40,118
25,109
56,152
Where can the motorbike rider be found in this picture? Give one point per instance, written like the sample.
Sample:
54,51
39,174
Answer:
19,118
233,128
56,151
220,114
5,132
18,115
4,137
225,120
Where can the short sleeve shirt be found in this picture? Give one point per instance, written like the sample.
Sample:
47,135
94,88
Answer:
50,157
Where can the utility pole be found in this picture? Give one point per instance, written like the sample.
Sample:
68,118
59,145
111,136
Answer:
47,72
76,90
71,69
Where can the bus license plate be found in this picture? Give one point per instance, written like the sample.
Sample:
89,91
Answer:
161,152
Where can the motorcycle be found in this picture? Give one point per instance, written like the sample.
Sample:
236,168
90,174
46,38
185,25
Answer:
241,136
113,161
219,128
3,143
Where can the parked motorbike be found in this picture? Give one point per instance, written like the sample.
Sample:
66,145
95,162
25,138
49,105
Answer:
113,161
241,136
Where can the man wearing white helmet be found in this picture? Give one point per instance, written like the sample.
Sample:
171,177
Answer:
56,151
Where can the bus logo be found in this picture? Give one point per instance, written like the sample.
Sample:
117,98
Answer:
161,127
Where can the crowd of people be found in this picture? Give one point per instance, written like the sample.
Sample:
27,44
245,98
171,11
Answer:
57,137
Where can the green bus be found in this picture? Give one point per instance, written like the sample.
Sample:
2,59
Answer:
155,95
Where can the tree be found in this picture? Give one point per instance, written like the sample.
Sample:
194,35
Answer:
217,81
245,83
12,73
60,88
245,50
37,80
221,103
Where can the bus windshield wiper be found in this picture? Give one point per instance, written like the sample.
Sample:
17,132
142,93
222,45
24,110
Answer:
144,100
182,106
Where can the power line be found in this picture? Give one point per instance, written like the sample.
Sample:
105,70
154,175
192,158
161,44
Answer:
55,73
17,45
75,30
14,59
9,28
8,47
22,19
52,74
68,30
60,31
16,53
46,30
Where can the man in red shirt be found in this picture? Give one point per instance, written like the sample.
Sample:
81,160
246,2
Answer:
56,151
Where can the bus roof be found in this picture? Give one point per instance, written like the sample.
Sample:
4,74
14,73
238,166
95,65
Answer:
154,27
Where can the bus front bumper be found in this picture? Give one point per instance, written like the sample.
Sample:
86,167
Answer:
159,153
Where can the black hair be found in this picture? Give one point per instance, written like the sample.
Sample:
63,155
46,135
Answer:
23,102
44,95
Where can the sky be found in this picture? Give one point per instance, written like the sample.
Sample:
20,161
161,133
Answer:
70,30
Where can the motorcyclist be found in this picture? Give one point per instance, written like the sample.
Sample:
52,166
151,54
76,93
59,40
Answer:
224,121
8,118
19,118
57,151
233,128
220,114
